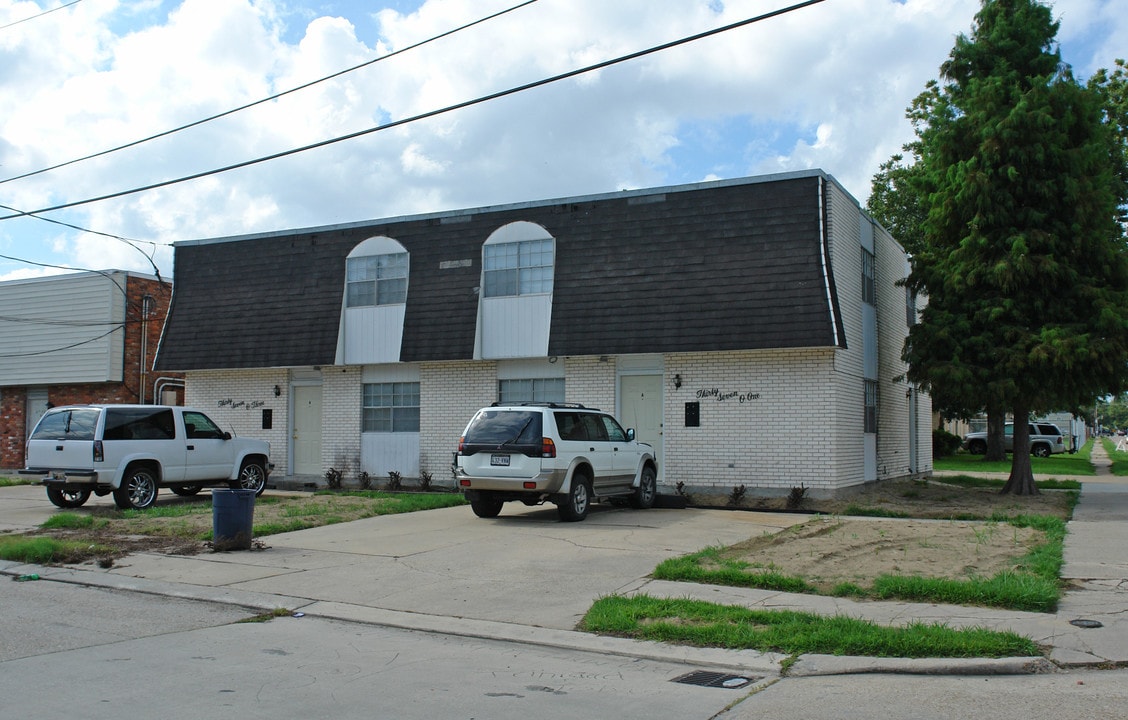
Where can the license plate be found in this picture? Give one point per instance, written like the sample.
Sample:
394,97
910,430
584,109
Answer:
499,460
56,475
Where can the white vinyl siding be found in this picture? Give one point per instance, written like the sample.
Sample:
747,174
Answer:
63,330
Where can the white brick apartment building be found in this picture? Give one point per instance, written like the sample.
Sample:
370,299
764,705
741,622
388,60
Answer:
751,330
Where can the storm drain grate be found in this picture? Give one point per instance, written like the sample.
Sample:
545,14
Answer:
705,678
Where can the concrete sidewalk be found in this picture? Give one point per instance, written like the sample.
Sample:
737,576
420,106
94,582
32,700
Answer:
526,578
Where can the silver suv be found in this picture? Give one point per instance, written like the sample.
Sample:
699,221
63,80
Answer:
1045,440
561,453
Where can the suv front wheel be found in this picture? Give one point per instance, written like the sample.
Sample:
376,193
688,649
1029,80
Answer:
647,490
574,506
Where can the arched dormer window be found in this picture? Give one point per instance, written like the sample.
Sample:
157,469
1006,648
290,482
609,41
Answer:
376,273
375,303
515,307
518,259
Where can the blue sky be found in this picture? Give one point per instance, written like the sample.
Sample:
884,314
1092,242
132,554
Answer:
825,86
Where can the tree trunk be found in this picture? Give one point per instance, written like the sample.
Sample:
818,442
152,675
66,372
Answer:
996,425
1021,480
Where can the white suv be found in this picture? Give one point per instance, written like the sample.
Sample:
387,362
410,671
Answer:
561,453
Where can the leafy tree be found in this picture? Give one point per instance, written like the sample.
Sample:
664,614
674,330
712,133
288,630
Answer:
1020,253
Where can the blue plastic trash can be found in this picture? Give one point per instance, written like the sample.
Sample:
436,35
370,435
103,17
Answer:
233,519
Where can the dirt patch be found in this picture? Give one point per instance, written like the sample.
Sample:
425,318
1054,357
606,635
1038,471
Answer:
941,540
828,551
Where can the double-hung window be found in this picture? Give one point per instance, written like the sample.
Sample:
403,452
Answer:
518,268
391,407
530,390
870,421
869,278
376,280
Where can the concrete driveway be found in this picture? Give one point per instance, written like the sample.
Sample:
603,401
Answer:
524,567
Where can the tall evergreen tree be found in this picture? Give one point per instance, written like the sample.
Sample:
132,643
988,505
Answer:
1021,257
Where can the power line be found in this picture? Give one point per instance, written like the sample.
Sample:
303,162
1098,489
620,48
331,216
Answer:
430,114
128,241
45,12
266,99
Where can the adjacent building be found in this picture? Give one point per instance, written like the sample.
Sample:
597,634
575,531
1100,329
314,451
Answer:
750,329
85,337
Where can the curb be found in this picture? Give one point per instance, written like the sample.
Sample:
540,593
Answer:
743,661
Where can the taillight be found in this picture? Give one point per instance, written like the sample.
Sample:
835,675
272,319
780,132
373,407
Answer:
99,456
461,445
548,448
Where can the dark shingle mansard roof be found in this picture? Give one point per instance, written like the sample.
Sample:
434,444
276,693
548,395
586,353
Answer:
718,266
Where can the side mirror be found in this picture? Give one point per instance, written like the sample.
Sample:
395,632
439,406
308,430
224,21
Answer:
630,434
226,435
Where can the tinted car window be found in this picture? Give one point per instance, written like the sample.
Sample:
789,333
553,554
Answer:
200,426
497,427
570,425
615,431
70,424
153,423
596,430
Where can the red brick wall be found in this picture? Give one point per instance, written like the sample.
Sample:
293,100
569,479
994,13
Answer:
13,400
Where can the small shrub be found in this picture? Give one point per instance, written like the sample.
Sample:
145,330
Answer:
333,478
796,496
680,490
425,481
365,480
395,481
736,497
944,443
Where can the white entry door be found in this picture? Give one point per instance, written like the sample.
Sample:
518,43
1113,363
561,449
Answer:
307,430
641,398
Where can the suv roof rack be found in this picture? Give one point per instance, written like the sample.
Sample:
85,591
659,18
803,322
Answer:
578,406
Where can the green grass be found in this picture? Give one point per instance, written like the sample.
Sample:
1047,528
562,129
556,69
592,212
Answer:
704,624
1061,464
70,521
41,550
1032,586
6,481
1119,459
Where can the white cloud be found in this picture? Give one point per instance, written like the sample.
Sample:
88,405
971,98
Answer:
826,86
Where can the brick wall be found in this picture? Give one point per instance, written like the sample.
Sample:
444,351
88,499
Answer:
13,430
236,399
341,398
764,421
449,395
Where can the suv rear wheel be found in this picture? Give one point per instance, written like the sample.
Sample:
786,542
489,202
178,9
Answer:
138,489
485,506
574,506
61,497
1040,450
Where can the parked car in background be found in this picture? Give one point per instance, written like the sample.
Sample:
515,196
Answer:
1045,439
561,453
132,450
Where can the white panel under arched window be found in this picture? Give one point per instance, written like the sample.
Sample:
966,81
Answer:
374,302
